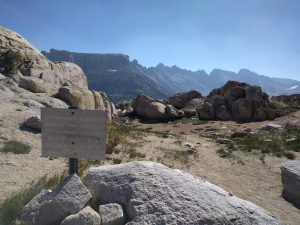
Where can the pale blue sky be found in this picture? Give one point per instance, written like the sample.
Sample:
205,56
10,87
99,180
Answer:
261,35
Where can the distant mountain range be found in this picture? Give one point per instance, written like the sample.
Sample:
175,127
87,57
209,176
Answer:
123,79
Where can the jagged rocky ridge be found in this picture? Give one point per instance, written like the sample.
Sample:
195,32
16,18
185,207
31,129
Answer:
123,79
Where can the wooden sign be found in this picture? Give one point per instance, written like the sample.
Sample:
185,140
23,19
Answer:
73,133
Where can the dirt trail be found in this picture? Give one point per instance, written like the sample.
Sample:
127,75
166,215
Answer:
243,175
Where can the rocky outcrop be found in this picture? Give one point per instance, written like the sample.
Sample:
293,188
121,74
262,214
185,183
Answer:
37,74
151,193
51,207
149,108
239,102
290,172
37,65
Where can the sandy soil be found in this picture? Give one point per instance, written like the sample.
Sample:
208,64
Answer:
18,171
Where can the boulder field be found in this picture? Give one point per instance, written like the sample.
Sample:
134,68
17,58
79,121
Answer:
141,193
234,101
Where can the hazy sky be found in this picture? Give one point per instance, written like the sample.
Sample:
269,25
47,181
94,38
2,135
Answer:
261,35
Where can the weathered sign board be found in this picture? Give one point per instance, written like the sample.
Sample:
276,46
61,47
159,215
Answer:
73,133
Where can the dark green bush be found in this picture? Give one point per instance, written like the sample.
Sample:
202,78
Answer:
10,62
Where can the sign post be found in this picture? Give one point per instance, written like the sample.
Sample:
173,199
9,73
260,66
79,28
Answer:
73,133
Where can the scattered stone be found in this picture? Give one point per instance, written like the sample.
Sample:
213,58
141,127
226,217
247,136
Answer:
33,104
34,123
152,193
112,214
224,141
290,172
86,216
292,125
239,134
246,129
223,152
270,126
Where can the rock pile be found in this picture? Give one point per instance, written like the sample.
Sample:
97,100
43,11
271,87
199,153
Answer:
67,205
239,102
186,99
290,171
140,193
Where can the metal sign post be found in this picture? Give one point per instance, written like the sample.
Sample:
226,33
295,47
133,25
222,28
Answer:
73,133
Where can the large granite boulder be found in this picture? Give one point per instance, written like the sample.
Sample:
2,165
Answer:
151,193
206,111
290,172
182,100
82,99
239,102
148,108
86,216
51,207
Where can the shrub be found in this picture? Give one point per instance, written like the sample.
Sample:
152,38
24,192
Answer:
278,143
10,62
16,147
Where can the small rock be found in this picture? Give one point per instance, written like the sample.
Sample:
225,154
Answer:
33,104
290,172
239,134
34,122
292,125
223,141
270,126
112,214
246,129
87,216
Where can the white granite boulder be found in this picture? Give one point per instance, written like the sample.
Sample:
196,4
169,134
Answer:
152,194
290,171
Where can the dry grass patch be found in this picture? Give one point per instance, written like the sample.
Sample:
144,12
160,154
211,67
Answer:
15,147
